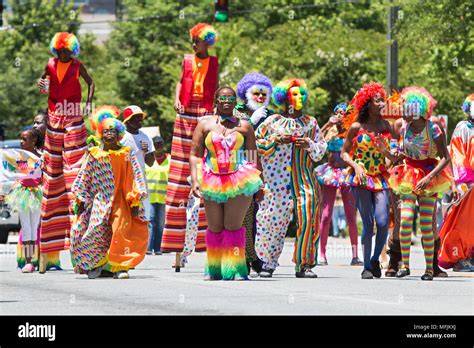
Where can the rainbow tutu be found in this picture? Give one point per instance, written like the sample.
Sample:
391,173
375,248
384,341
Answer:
25,199
331,176
222,187
404,178
374,183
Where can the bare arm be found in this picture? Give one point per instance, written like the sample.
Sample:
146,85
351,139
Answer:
91,87
197,152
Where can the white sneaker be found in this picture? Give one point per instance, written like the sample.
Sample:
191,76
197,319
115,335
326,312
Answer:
121,275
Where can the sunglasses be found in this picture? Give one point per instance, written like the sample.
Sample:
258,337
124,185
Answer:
223,98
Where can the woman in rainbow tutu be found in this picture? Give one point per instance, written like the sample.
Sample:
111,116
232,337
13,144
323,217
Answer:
422,175
227,182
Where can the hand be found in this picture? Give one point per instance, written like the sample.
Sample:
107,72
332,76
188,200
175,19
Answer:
335,120
88,109
259,195
258,114
196,190
381,144
361,176
456,194
144,146
286,139
178,106
2,198
42,85
302,143
423,183
135,211
80,208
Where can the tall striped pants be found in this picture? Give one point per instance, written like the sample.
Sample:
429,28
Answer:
177,195
65,145
426,205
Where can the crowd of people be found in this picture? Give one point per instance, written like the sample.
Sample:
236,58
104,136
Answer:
245,165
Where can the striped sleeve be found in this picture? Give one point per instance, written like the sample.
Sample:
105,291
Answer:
266,141
317,144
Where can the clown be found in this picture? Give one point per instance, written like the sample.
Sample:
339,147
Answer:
194,100
457,231
289,144
421,176
255,91
65,143
110,234
331,176
368,169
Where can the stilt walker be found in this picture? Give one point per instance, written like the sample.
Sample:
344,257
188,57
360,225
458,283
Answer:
65,144
194,99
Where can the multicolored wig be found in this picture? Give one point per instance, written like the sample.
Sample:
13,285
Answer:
64,40
253,79
342,106
419,100
467,105
360,99
111,123
103,112
205,32
281,92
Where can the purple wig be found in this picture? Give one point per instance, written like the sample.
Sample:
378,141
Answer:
252,79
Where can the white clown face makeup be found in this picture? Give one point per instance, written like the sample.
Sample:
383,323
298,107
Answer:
257,96
472,111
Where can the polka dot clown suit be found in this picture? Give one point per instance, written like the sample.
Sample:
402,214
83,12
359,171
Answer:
287,171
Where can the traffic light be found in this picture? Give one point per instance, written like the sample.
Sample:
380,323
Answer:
221,10
1,13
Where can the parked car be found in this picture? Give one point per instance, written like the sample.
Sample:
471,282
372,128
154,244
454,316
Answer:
9,220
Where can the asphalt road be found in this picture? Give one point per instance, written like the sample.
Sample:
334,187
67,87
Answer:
154,288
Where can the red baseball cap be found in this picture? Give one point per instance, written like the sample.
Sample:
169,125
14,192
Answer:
132,110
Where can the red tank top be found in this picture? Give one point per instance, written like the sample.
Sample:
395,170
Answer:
66,93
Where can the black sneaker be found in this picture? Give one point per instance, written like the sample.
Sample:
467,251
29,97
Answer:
307,273
366,274
266,273
428,275
403,272
375,269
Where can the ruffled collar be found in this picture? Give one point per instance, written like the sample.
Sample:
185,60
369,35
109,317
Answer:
98,152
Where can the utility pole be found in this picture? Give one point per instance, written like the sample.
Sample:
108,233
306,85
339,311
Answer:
392,51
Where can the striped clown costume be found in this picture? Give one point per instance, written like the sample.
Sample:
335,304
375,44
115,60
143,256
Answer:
289,184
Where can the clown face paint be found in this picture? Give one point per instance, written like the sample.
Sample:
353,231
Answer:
472,111
257,96
296,97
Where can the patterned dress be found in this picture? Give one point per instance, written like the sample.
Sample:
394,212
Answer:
288,178
109,184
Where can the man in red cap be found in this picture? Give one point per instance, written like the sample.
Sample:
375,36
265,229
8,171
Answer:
139,142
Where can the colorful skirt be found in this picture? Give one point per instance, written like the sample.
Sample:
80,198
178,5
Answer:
374,183
404,178
222,187
331,176
25,199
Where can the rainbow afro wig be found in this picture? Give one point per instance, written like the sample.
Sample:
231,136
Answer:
205,32
418,100
342,106
103,112
467,105
111,123
64,40
281,92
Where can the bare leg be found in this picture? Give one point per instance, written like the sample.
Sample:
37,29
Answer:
234,212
